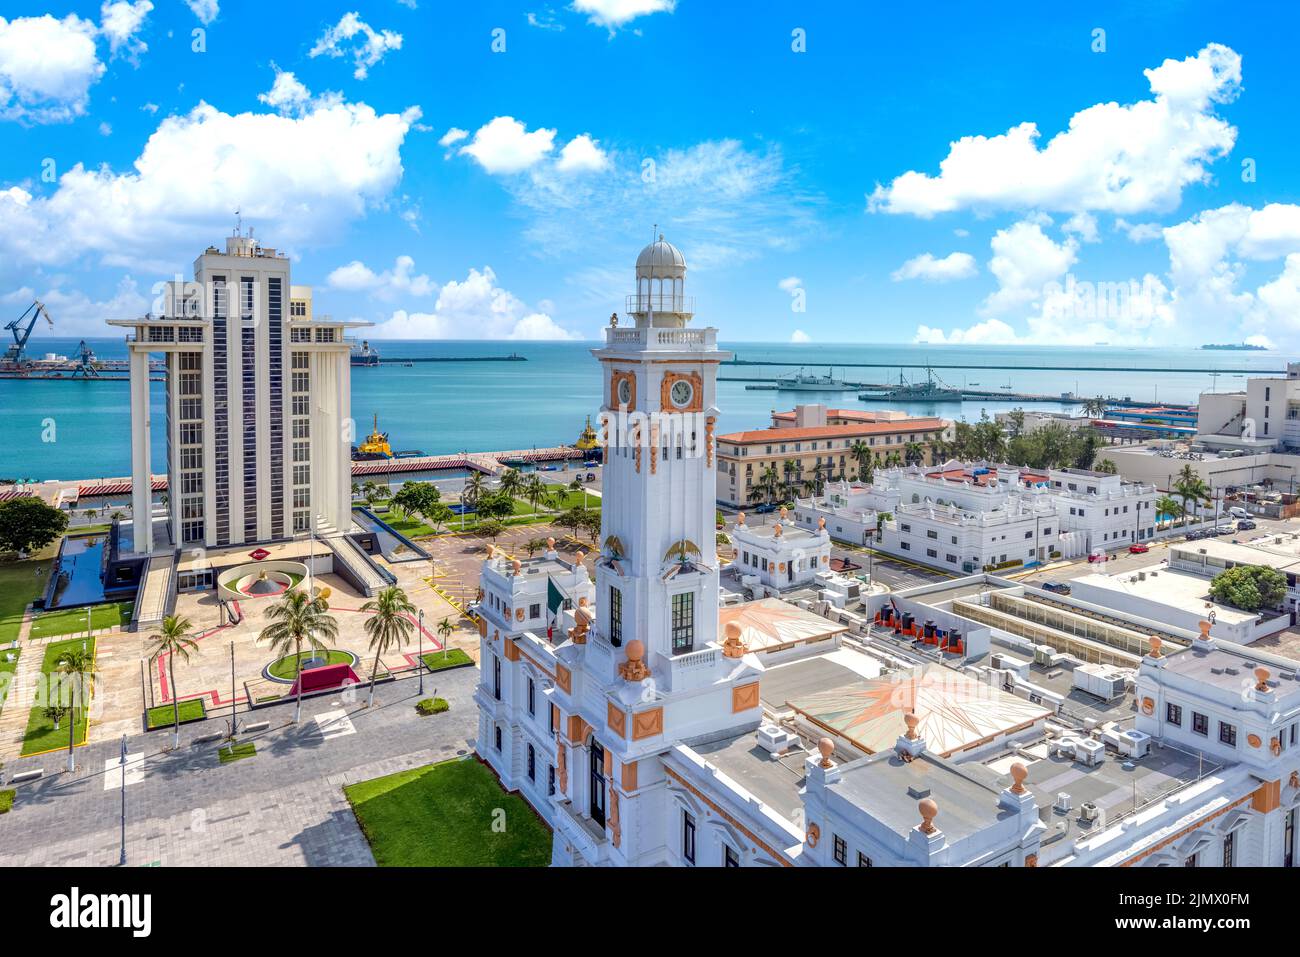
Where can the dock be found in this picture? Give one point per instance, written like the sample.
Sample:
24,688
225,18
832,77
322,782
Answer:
1007,368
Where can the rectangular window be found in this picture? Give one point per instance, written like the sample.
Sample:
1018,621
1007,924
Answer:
729,856
498,737
1229,846
1228,734
532,764
1174,715
496,677
550,780
840,850
863,860
1200,723
688,837
615,616
683,622
532,697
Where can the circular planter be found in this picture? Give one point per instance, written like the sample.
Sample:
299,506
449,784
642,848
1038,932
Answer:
335,657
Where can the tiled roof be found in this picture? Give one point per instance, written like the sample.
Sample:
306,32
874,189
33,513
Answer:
832,431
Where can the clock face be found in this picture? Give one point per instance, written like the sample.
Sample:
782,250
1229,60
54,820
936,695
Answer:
682,393
624,391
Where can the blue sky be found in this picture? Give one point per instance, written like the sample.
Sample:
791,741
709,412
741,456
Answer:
801,154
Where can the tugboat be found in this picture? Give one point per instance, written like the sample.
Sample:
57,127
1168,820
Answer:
374,447
589,445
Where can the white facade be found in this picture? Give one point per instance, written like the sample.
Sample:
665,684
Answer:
258,407
966,517
780,556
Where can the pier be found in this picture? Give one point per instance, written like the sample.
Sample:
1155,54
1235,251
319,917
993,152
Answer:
1007,368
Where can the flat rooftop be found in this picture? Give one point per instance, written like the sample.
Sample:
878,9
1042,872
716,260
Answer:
1266,550
774,781
770,624
1178,589
1228,667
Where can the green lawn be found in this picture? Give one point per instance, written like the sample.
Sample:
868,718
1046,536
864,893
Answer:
19,585
524,514
7,800
72,621
452,658
432,706
164,716
41,734
236,752
442,815
287,667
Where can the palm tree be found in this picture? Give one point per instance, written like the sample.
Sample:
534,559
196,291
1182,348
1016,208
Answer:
769,480
473,488
445,628
390,623
174,639
818,480
1095,407
577,486
55,712
369,490
913,453
1168,505
1106,467
299,618
76,666
535,490
788,470
861,453
1190,487
512,483
356,490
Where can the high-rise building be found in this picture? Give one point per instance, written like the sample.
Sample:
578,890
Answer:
258,427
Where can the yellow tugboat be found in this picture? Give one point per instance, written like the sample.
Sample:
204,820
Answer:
587,440
374,447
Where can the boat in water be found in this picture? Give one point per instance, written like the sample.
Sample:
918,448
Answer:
376,448
364,354
804,382
931,390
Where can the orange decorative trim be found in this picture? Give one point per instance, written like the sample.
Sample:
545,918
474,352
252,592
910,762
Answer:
1185,831
646,724
563,679
738,825
609,765
1267,797
555,715
744,697
577,729
482,627
813,835
511,650
1254,740
709,423
666,388
629,776
1148,706
616,718
615,377
615,825
1031,860
519,614
562,763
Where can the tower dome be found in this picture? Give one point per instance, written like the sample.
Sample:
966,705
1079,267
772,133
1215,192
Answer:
661,260
660,286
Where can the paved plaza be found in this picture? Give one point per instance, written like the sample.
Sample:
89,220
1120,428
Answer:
283,806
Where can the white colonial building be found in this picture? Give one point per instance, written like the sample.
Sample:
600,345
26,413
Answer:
780,556
965,517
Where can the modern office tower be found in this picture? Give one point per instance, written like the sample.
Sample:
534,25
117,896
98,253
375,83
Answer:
257,400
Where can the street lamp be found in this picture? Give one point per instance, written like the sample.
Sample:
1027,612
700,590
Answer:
121,860
421,639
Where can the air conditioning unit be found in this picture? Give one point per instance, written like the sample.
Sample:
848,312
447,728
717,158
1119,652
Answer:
1089,811
1062,803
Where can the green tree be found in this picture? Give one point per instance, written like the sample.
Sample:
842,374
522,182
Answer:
495,505
511,482
1249,587
769,481
1168,505
1106,467
860,452
416,498
445,629
572,519
491,528
174,640
437,516
298,619
914,453
28,524
1190,487
473,489
1095,407
389,624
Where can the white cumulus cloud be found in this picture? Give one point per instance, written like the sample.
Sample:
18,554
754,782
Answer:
582,154
473,308
1116,158
800,337
352,36
1024,260
205,10
393,283
121,21
612,14
928,267
195,169
504,145
47,67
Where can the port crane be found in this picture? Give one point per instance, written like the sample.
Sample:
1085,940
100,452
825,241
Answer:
14,354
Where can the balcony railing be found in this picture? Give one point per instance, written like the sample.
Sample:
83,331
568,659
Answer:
659,302
656,337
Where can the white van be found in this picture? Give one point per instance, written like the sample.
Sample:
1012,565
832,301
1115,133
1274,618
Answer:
1238,512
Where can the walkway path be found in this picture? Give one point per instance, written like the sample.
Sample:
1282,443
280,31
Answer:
283,806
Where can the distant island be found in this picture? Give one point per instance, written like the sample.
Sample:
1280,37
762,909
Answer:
1236,347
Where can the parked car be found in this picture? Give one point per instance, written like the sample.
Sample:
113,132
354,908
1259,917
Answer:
1139,548
1223,530
1059,588
1195,536
1245,525
1238,512
1097,556
765,508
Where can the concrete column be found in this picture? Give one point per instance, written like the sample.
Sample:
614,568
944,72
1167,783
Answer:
141,476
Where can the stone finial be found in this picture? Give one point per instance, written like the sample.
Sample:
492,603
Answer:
634,669
491,552
1205,627
516,566
1155,646
579,558
550,544
783,512
826,747
929,811
1018,775
911,720
1261,679
776,529
740,518
732,644
821,524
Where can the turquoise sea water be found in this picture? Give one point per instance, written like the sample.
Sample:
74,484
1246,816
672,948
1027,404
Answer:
446,407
